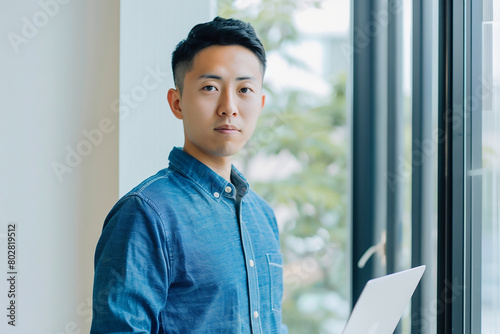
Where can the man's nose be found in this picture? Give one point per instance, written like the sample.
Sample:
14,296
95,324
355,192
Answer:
227,105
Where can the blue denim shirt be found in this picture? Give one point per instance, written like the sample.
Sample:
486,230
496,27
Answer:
186,251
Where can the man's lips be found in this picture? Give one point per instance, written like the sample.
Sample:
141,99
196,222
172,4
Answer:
227,128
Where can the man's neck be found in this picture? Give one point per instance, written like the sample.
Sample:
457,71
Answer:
220,165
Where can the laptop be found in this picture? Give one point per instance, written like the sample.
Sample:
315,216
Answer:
382,302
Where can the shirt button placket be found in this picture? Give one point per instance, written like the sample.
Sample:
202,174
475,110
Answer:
255,313
253,281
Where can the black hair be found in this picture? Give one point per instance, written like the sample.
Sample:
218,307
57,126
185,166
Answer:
219,31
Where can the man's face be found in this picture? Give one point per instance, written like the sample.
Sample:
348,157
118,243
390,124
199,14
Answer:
221,101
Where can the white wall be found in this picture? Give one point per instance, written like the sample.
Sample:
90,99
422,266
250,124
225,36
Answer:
148,35
64,66
59,70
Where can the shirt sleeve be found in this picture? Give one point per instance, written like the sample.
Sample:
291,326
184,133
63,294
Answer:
131,270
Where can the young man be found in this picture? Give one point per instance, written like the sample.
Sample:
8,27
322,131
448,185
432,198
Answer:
193,249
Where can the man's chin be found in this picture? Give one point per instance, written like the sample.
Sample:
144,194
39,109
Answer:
227,151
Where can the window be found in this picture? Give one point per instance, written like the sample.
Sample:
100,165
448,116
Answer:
485,171
395,147
469,283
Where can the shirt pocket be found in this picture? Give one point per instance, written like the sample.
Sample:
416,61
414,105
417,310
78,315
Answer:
275,264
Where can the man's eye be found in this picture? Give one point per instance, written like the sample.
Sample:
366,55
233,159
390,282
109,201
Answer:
210,88
245,90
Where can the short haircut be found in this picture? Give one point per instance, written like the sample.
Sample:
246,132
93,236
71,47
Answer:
219,31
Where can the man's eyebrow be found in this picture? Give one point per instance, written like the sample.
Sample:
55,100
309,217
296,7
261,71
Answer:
216,77
210,76
245,78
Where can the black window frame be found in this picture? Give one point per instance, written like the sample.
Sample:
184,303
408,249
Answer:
458,145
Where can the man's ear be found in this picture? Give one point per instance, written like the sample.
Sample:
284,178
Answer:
263,101
174,100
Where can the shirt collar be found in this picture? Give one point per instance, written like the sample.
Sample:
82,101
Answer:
206,178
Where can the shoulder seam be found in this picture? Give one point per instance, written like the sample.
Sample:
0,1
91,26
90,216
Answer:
154,179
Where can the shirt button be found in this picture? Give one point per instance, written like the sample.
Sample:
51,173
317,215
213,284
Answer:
216,194
252,263
256,314
228,189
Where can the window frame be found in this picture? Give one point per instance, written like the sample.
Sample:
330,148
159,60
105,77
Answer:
458,159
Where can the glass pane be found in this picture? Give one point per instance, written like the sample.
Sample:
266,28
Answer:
404,258
297,158
490,284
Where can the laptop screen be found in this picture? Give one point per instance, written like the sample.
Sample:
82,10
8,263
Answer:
382,302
